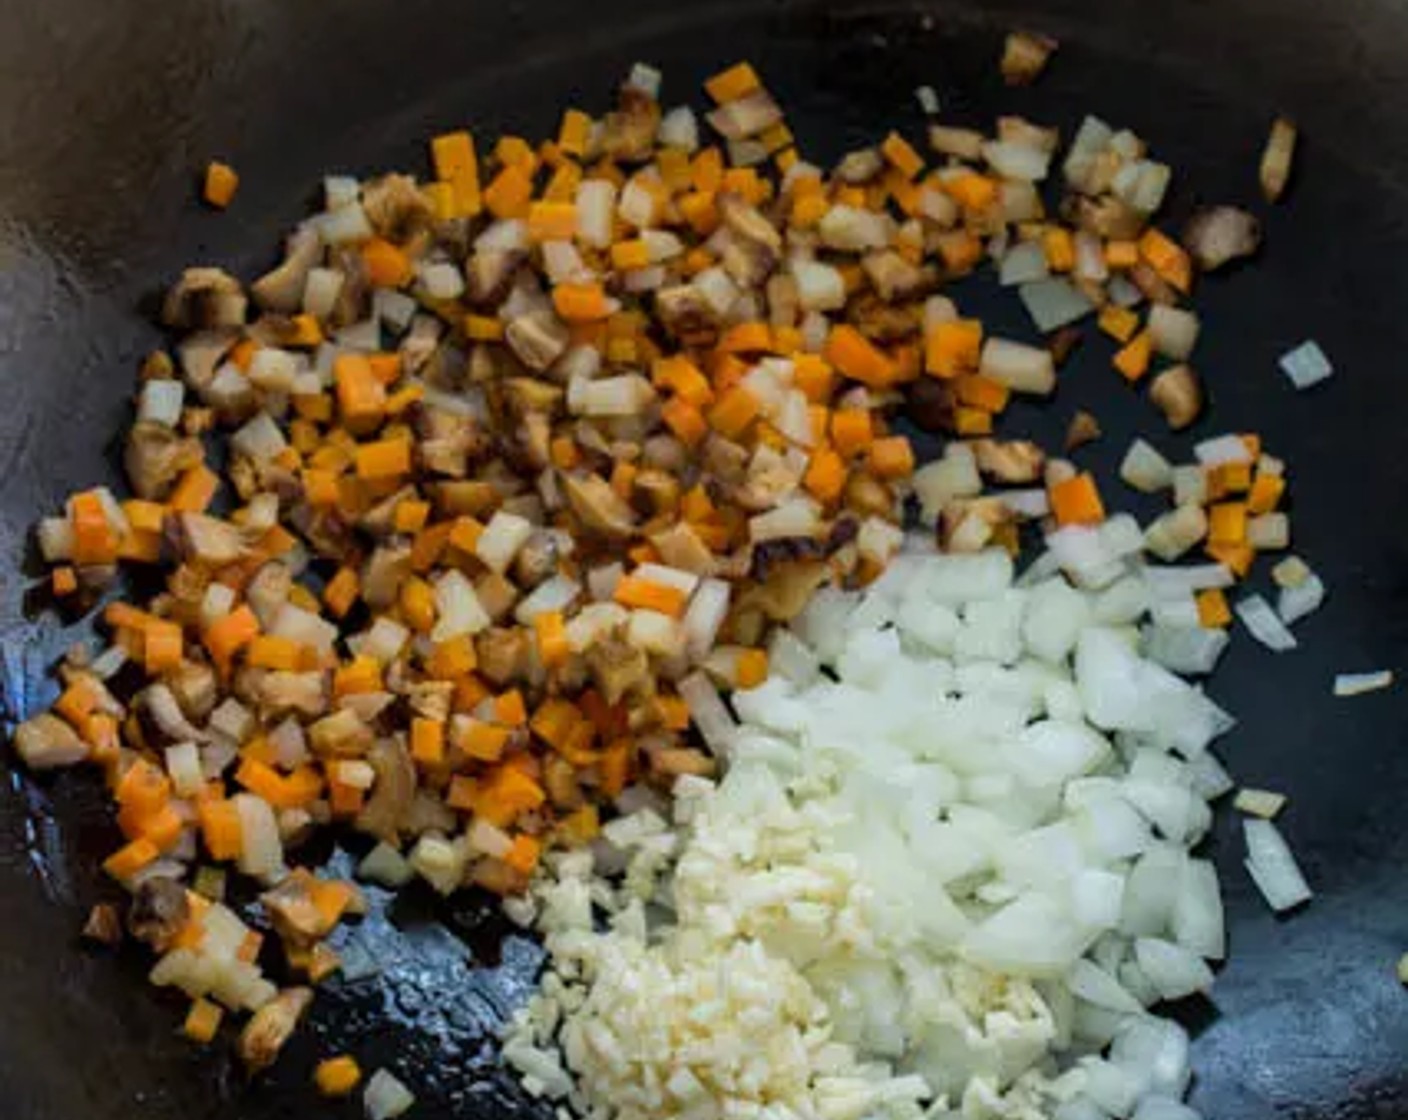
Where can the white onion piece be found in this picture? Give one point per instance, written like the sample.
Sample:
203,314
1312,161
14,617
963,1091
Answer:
1264,624
1272,866
385,1097
1173,331
1054,303
1023,263
1145,469
1294,603
1222,449
1306,365
1172,969
1263,803
1357,684
710,714
1022,368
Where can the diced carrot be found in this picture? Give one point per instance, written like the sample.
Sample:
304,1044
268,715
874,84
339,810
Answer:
735,410
427,741
1122,254
465,533
626,255
808,210
456,163
202,1021
147,517
94,540
901,155
442,200
1213,611
509,709
970,190
859,359
1237,558
484,742
306,332
410,516
337,1077
892,457
623,479
981,392
551,633
195,490
1166,257
752,668
1228,478
825,477
1059,248
574,133
1132,360
554,720
1265,493
452,658
384,459
127,861
1077,501
483,328
385,265
505,794
1227,523
63,581
644,594
581,303
361,397
746,337
685,420
684,379
270,651
226,636
959,250
385,366
509,195
360,675
552,221
221,182
953,348
143,788
523,854
1118,322
737,81
851,431
162,647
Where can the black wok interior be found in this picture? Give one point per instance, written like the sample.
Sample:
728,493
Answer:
108,109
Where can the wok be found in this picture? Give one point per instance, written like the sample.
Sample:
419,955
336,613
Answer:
107,111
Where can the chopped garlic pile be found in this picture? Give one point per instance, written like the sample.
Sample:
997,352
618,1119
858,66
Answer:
955,872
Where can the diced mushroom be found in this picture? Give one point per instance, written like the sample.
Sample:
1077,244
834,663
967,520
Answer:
1275,170
194,686
619,670
281,289
165,713
205,299
103,926
396,207
340,735
156,457
505,655
746,116
683,312
1221,234
597,506
860,167
489,275
1083,429
200,353
271,1026
45,742
282,691
680,547
895,278
1024,56
291,908
159,911
392,792
208,540
1015,460
538,339
1178,394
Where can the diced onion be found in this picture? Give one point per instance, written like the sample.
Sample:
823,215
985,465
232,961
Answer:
1272,866
1357,684
1306,365
1264,624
